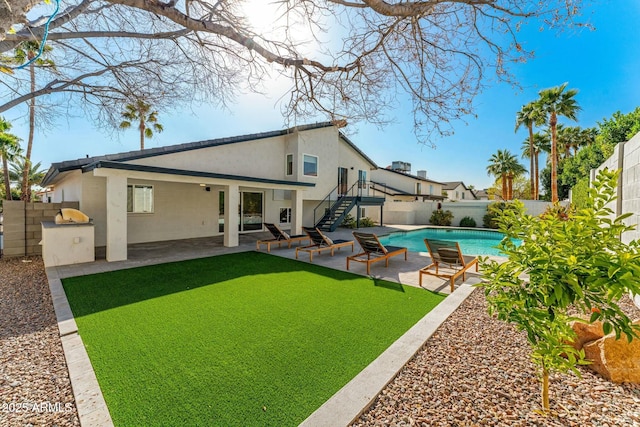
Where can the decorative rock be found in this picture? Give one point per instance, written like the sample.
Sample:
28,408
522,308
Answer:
586,332
616,360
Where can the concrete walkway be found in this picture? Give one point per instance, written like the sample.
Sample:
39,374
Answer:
341,409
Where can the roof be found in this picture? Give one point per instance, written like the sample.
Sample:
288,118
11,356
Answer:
59,167
170,171
410,175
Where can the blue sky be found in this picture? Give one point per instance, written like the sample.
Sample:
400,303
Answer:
603,65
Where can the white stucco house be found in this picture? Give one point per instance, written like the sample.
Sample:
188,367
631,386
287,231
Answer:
402,186
457,191
225,186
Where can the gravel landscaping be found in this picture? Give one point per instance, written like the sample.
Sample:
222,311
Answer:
475,370
34,382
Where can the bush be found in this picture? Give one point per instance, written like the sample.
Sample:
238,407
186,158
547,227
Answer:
348,222
563,266
495,210
367,222
579,193
440,217
563,213
467,221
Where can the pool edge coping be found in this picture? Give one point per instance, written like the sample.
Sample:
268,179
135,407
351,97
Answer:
352,400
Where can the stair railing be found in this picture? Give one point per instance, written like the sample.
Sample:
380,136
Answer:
325,205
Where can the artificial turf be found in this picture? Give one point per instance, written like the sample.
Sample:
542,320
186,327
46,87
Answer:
245,339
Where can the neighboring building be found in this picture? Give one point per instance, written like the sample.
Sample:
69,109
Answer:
482,194
224,186
401,186
457,191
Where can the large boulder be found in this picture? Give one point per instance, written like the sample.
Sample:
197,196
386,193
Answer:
586,332
615,359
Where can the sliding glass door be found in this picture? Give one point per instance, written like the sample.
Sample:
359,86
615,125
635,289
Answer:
251,206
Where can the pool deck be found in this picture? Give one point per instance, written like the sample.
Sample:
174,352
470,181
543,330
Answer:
348,403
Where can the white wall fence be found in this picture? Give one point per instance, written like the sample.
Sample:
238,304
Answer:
419,213
626,156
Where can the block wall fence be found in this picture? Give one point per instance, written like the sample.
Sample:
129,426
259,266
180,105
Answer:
626,156
22,230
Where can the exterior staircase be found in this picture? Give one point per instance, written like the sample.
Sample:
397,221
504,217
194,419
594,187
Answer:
334,215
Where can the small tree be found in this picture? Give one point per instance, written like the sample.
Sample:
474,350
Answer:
576,262
141,112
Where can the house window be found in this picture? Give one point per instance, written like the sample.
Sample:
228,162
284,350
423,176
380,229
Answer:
285,215
430,189
140,198
362,179
457,195
289,165
310,164
418,188
462,196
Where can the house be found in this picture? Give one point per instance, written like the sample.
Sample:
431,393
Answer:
401,186
225,186
482,194
457,191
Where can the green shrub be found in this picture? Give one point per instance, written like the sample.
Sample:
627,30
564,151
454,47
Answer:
348,222
579,193
467,221
564,264
493,211
556,210
367,222
440,217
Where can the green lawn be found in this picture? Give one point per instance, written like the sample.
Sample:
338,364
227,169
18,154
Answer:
244,339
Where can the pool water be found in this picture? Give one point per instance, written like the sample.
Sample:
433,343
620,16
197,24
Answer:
472,242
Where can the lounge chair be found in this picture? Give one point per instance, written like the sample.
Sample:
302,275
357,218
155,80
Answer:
320,243
279,237
447,254
374,250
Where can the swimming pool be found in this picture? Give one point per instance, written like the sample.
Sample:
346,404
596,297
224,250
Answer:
472,242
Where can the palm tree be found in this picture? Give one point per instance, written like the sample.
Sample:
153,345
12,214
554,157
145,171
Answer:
9,150
556,102
541,143
505,165
574,137
34,175
531,114
141,112
26,51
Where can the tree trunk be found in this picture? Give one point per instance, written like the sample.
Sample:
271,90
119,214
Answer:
7,183
537,178
545,389
142,127
505,194
531,162
26,188
553,122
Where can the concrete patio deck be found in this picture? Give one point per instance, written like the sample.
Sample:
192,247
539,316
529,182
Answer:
399,270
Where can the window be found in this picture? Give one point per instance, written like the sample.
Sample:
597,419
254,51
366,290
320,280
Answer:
289,165
430,189
140,198
285,215
310,164
362,179
462,195
418,188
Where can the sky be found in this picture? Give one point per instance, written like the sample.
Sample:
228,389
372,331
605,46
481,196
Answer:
604,65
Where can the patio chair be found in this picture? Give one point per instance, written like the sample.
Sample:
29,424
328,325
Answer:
320,243
447,254
279,237
374,251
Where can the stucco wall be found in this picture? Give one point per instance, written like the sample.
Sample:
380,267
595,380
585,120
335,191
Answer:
419,213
